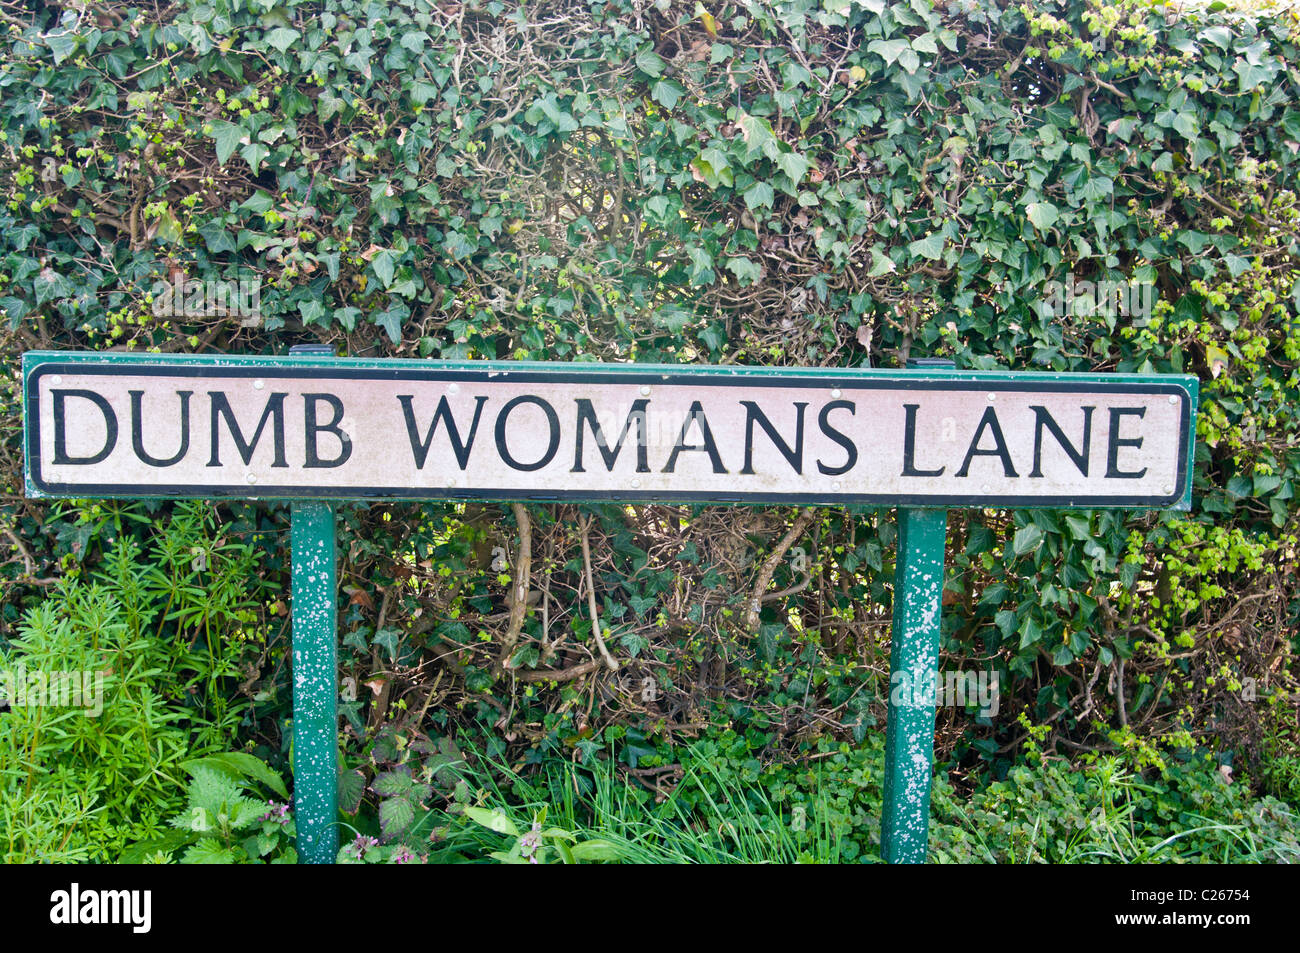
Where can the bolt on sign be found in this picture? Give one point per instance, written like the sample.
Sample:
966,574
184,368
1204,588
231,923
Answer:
111,426
316,429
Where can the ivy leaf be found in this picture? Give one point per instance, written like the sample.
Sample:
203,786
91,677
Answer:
391,321
650,63
384,265
1080,527
672,317
711,168
1097,188
667,92
759,194
62,45
924,43
758,136
794,165
881,264
282,38
888,50
1251,75
931,246
415,41
48,285
169,230
1030,633
746,271
701,265
1042,214
258,203
1237,265
1026,539
228,138
312,312
253,154
389,639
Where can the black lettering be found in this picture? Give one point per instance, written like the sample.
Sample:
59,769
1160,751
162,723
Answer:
311,428
587,415
1113,472
989,420
843,440
274,411
753,415
909,446
61,457
137,429
420,449
696,414
552,445
1043,419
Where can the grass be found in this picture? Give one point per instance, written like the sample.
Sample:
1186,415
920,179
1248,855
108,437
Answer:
1053,813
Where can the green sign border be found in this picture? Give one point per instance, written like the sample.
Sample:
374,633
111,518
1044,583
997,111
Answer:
37,363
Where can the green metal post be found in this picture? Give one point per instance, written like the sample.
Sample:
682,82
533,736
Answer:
913,672
315,682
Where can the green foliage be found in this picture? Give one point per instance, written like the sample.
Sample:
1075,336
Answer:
790,182
539,844
221,823
719,804
1108,813
81,781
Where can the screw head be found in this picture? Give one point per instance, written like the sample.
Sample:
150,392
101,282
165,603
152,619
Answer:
645,390
258,385
252,478
835,392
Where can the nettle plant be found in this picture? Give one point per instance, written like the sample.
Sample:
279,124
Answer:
227,818
800,182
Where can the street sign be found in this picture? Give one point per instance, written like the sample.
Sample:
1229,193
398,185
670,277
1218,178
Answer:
316,429
108,425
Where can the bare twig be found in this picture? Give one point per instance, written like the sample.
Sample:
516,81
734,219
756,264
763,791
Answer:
559,675
768,568
591,598
519,590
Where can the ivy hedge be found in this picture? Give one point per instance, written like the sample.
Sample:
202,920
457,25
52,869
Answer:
1087,186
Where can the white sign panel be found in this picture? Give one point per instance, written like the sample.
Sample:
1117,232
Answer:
328,428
